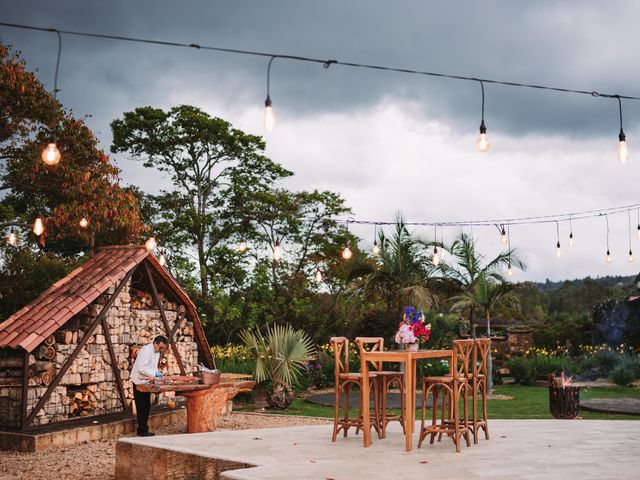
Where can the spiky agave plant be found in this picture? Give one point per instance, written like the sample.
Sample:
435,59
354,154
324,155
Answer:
280,355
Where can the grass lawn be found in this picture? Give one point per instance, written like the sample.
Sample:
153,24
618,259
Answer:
528,402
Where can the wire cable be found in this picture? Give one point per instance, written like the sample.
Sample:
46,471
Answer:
324,62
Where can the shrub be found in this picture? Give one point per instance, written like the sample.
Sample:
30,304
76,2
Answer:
622,375
522,370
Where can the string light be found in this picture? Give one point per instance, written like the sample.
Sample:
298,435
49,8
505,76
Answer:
483,143
639,224
151,244
631,258
346,253
435,258
570,233
38,225
608,257
11,238
51,155
318,276
376,249
84,221
503,234
509,269
277,252
162,260
558,251
242,246
623,150
269,116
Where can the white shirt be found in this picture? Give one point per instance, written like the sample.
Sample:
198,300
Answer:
146,365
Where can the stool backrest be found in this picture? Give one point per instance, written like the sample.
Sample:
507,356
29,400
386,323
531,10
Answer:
462,358
371,344
483,345
340,347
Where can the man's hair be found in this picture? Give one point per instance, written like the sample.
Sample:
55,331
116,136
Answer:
161,339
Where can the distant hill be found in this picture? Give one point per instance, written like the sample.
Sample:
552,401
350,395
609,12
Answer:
608,281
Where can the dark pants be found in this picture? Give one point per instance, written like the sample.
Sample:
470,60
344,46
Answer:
143,405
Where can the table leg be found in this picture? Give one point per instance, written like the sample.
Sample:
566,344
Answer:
414,363
364,405
409,392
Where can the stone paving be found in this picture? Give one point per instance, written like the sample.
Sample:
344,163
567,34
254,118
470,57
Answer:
518,449
622,405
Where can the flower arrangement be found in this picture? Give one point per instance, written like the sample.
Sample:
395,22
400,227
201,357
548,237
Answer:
412,329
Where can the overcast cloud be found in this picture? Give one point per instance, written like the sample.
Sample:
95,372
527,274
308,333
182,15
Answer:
387,142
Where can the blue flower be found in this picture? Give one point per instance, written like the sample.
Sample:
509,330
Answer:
408,311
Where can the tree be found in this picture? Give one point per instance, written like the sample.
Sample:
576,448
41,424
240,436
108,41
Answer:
401,274
84,182
486,296
470,268
214,168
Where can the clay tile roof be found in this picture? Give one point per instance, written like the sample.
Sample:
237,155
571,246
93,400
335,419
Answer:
28,327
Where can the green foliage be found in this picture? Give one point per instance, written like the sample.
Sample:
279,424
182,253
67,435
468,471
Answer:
527,369
563,328
622,375
280,355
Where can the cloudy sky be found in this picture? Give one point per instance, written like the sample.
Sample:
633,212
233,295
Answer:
387,142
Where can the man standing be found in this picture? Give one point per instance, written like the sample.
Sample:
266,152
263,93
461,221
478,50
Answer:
145,368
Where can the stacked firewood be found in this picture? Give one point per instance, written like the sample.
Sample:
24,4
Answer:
41,368
81,402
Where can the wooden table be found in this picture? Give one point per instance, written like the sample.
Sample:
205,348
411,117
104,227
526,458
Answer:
205,403
409,359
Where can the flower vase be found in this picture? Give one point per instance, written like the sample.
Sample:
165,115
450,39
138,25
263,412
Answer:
413,347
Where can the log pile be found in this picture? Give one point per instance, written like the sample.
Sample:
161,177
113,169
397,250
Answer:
89,385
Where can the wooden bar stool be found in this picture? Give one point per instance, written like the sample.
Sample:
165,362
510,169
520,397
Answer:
344,381
451,387
479,386
385,379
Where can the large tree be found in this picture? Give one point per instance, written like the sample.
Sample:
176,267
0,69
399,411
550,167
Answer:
214,168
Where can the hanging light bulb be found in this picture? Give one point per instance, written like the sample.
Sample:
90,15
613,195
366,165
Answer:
269,116
558,251
608,258
504,239
631,257
346,253
38,225
483,142
162,260
435,258
509,270
51,155
11,238
318,276
242,246
277,251
84,221
638,231
571,240
623,150
151,244
376,249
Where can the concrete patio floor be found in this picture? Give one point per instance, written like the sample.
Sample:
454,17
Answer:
518,449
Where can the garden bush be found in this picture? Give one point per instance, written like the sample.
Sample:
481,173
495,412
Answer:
525,370
622,375
522,370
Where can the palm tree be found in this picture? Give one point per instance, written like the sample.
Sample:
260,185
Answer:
280,357
470,268
486,296
401,274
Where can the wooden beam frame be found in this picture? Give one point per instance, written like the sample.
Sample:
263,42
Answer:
25,390
114,363
156,299
88,334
